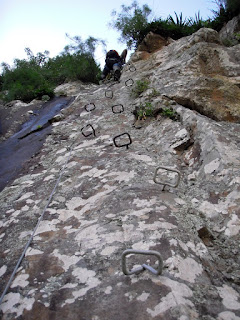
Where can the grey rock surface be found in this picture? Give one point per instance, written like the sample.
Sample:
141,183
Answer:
13,115
19,151
106,202
230,33
199,73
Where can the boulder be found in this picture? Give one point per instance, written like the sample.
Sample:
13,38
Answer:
140,55
58,117
68,89
152,42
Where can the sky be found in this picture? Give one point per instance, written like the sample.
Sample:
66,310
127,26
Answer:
42,24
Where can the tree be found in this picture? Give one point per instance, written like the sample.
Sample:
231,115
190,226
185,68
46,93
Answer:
233,6
83,47
130,22
37,75
227,9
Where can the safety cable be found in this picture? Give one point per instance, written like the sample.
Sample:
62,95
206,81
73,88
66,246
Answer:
51,196
35,229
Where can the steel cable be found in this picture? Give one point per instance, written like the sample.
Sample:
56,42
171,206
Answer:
35,229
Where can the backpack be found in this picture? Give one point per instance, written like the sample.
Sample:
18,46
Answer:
113,54
112,57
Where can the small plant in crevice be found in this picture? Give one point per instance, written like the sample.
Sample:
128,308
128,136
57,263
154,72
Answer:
143,111
237,36
154,93
232,40
169,113
139,88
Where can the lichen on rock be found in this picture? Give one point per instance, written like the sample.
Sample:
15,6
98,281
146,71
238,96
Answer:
106,200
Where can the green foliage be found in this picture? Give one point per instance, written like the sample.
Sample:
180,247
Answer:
175,28
37,76
226,10
232,41
221,15
78,46
25,81
154,93
145,110
179,20
45,97
131,21
237,36
76,62
133,24
170,113
139,88
71,67
166,112
233,7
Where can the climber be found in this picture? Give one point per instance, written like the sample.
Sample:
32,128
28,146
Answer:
114,62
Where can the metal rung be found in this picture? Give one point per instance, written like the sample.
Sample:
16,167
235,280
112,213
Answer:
129,83
167,183
91,105
117,105
132,68
143,266
109,94
125,144
89,134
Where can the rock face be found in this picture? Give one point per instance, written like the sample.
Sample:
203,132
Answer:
18,151
13,115
230,34
97,199
151,43
200,74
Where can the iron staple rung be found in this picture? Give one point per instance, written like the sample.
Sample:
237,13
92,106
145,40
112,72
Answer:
109,96
129,83
164,183
118,105
132,68
125,144
90,104
89,134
